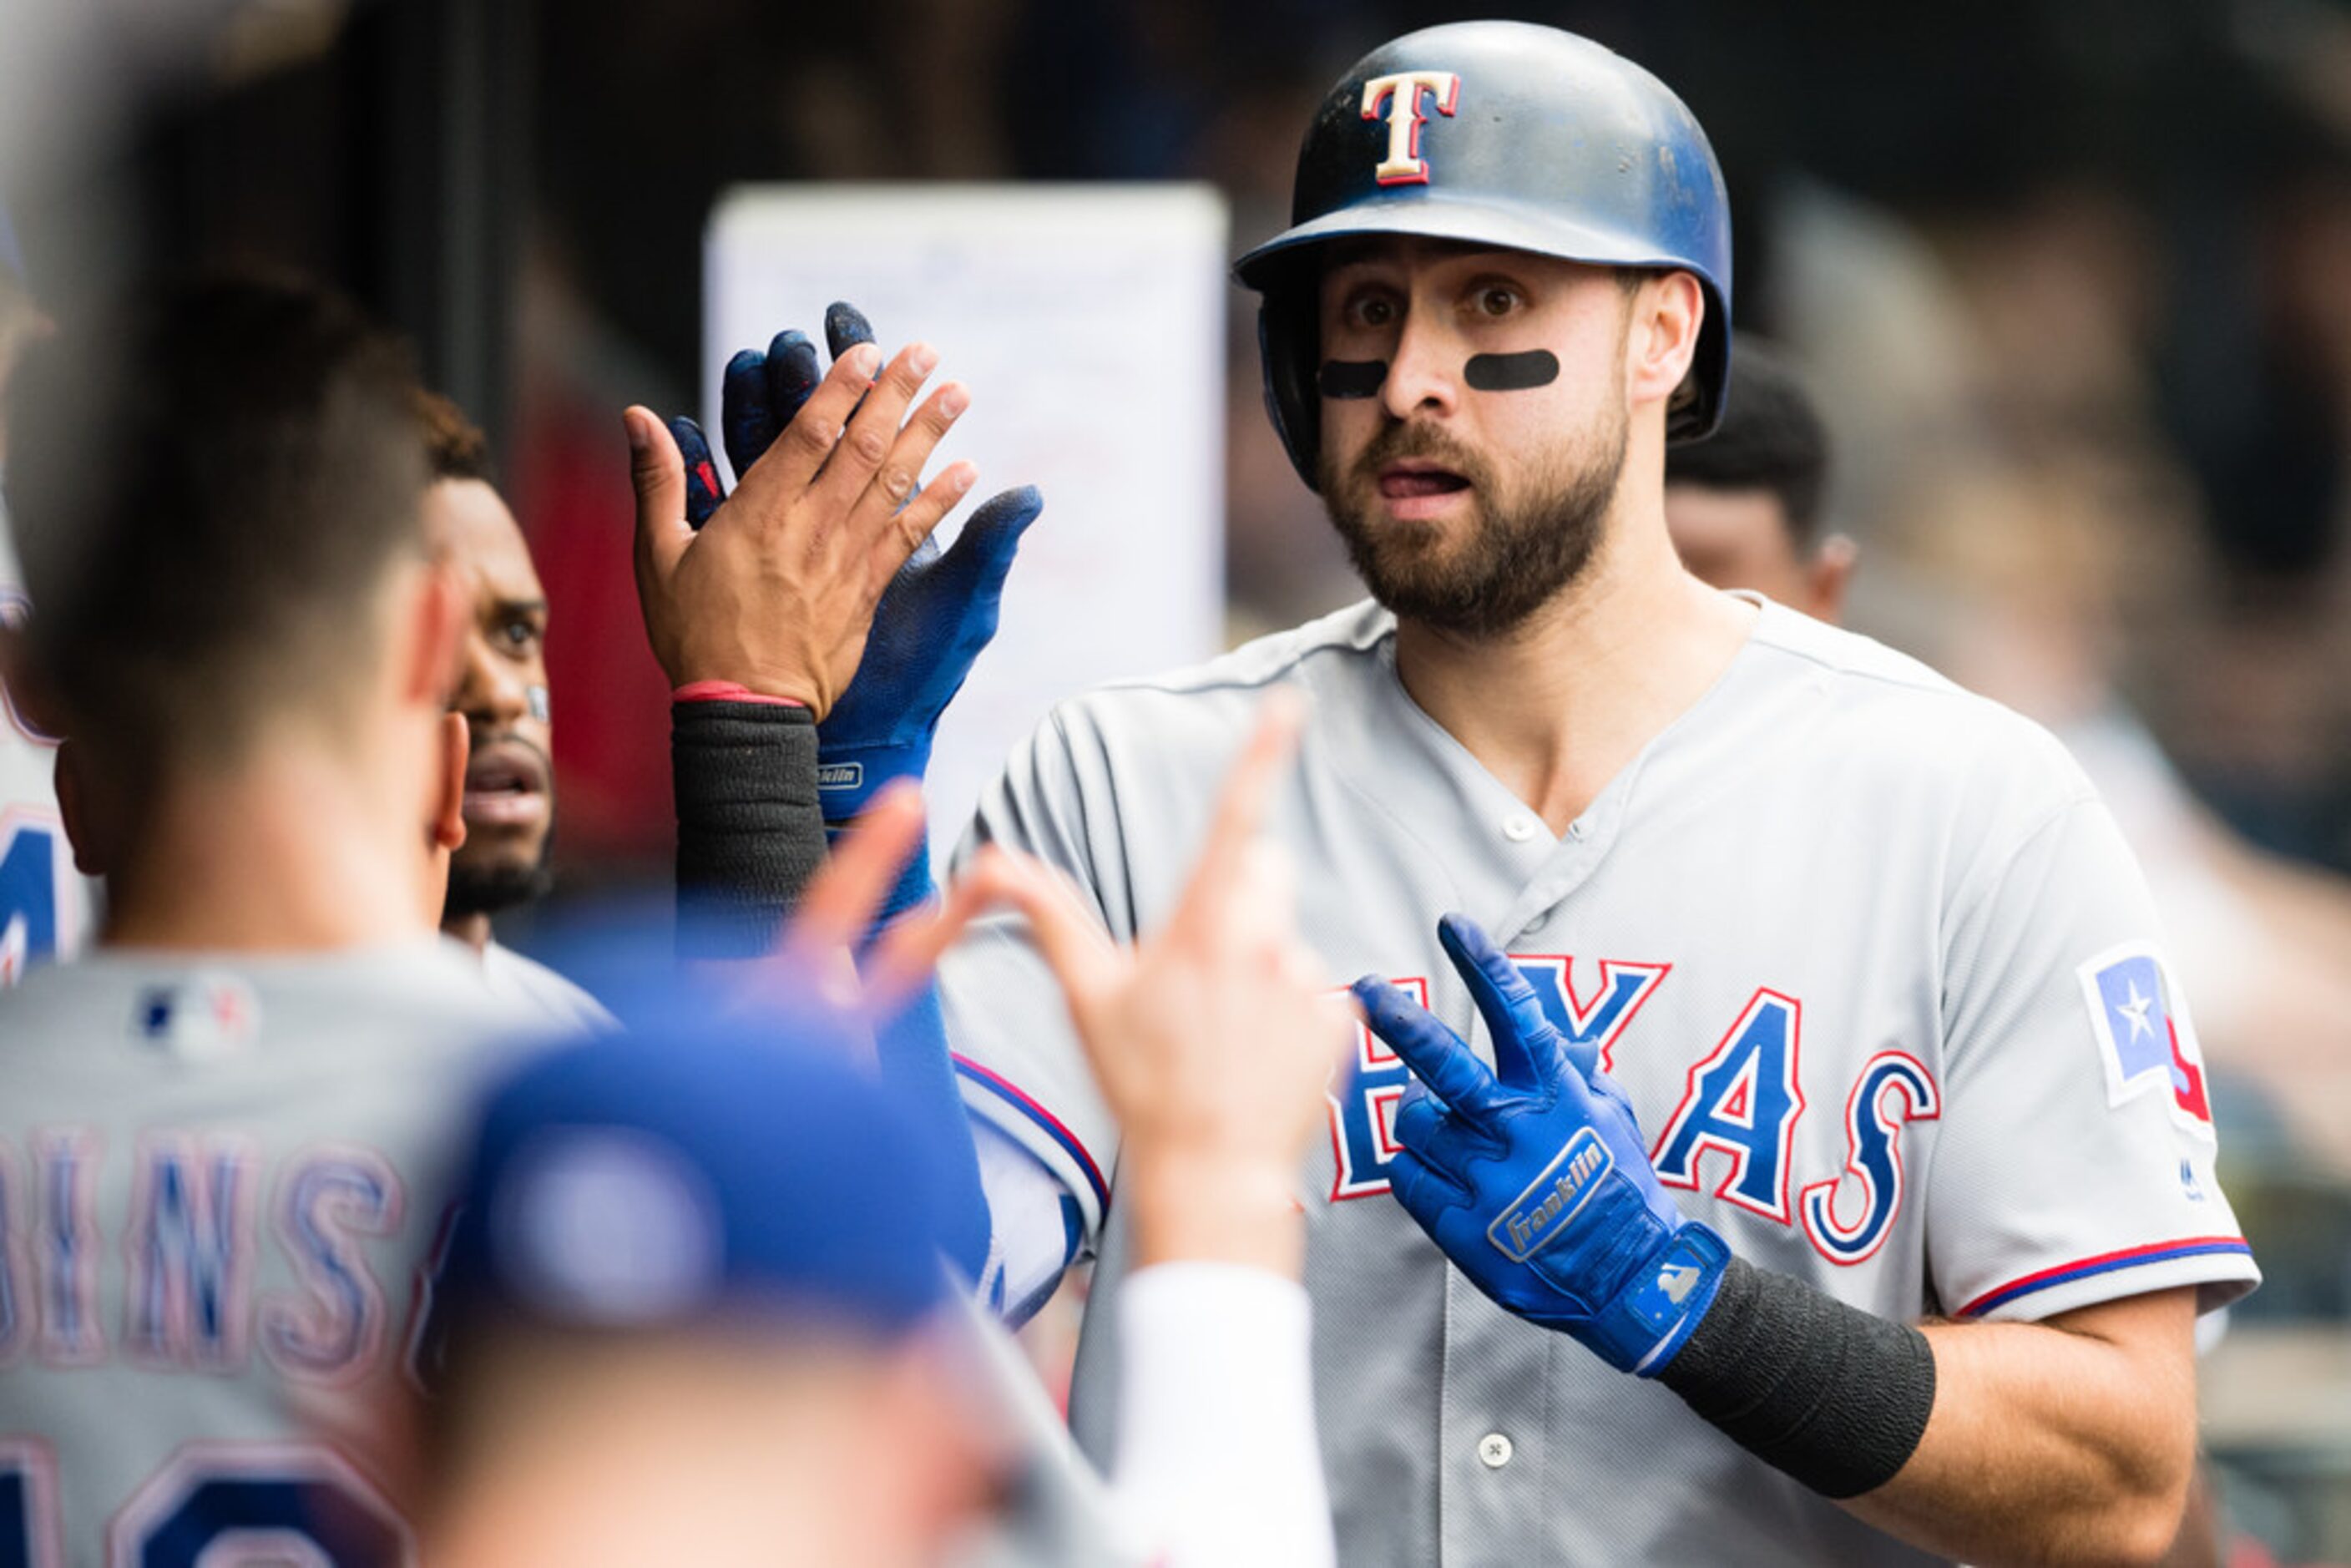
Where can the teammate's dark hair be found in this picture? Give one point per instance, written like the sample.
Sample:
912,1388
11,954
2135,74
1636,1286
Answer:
1771,438
207,485
454,445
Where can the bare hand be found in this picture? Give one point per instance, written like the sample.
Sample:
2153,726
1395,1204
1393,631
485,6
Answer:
776,590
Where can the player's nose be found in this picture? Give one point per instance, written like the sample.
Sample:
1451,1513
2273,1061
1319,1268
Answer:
1425,376
491,688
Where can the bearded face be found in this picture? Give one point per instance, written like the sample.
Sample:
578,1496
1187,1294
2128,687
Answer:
1512,542
1475,423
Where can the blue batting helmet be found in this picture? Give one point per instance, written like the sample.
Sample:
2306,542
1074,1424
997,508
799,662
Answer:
1507,134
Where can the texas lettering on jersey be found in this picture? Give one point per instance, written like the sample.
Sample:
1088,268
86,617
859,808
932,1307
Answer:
1741,1103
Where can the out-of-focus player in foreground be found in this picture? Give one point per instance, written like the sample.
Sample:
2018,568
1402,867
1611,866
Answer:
43,905
508,801
221,1135
1833,1181
695,1314
695,1309
1744,506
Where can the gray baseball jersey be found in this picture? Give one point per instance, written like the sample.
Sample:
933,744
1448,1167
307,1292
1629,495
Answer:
1863,950
221,1181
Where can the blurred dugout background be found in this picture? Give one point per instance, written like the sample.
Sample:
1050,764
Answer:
2072,278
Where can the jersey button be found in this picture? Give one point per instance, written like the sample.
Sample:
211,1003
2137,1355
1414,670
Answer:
1520,827
1493,1451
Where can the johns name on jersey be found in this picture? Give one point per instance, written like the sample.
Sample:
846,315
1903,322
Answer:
190,1248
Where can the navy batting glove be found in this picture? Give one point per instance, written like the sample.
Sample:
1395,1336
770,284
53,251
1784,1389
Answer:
937,615
1532,1175
758,396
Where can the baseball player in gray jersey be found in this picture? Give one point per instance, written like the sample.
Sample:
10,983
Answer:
222,1135
1832,1177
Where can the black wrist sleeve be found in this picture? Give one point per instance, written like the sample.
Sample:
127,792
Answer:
749,831
1824,1392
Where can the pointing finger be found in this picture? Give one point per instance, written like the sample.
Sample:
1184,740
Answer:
1437,1056
1526,1045
1241,811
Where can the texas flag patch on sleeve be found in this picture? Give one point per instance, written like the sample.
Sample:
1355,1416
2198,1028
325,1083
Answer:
2145,1035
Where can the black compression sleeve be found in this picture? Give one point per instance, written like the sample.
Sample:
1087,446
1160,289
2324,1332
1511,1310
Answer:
750,832
1825,1392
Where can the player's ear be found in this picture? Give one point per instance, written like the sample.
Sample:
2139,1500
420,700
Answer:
447,829
1668,309
430,638
1827,576
81,805
445,834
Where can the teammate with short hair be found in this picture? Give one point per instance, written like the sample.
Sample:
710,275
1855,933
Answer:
222,1133
1743,505
1833,1179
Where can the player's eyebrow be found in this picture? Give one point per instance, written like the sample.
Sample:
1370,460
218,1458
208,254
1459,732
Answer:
518,606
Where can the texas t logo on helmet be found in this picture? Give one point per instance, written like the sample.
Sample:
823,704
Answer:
1398,96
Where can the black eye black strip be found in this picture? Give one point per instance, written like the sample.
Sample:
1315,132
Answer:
1509,372
1352,378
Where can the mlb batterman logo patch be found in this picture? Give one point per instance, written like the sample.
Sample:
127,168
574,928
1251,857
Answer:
2144,1034
202,1017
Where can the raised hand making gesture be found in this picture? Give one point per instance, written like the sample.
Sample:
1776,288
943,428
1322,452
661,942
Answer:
775,591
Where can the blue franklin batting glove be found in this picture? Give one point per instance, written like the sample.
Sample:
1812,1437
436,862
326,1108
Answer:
938,613
1532,1175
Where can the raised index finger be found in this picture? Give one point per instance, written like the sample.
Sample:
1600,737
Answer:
1242,808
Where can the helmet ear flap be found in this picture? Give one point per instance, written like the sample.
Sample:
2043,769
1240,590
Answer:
1287,342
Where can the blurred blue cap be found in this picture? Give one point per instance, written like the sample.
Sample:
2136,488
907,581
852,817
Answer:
697,1169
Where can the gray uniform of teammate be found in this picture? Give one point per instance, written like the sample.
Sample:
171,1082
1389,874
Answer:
1865,952
220,1182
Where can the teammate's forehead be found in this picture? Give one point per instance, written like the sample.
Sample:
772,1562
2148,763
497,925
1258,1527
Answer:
467,519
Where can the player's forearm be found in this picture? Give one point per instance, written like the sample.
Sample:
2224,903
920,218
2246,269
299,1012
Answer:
2062,1442
749,831
2049,1444
1202,1208
750,834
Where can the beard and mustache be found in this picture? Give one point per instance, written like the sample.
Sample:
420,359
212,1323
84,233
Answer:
482,884
1516,550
